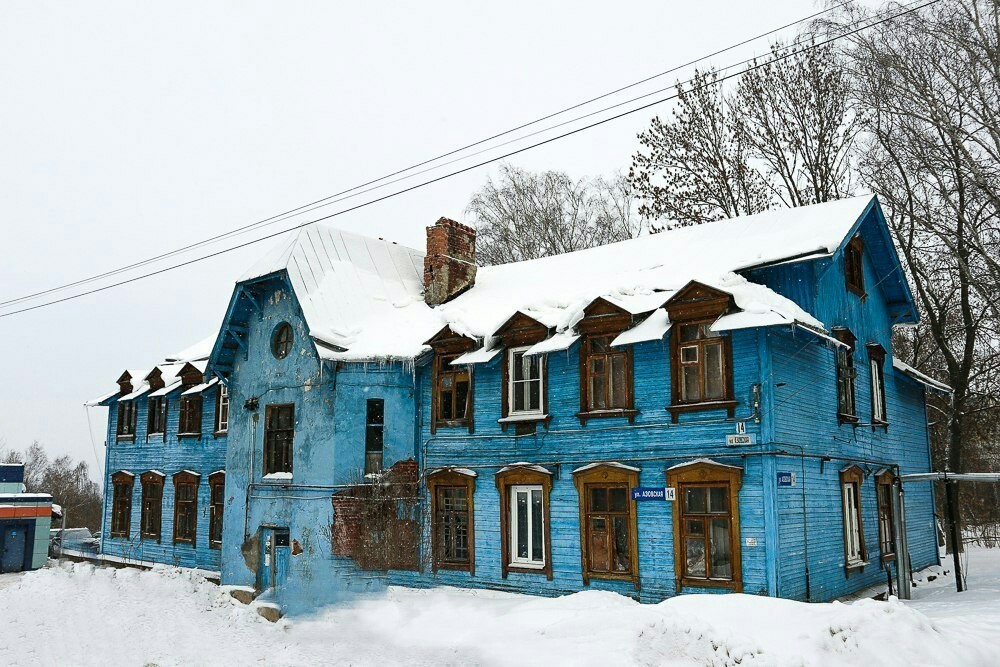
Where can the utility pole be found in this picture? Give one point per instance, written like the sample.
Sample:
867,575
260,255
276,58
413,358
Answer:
951,509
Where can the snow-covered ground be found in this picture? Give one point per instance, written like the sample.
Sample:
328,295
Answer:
76,614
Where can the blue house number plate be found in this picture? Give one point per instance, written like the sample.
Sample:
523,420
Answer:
654,493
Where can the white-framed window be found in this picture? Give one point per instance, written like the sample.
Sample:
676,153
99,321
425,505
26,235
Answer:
525,382
527,532
222,409
853,546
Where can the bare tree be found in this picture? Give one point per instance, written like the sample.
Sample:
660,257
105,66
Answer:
696,167
929,85
68,482
525,215
783,137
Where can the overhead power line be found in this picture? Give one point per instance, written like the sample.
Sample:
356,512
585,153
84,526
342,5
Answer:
340,196
912,7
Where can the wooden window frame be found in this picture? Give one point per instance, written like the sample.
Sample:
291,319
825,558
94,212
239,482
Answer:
853,475
126,415
854,267
876,368
707,474
222,396
216,508
601,319
847,373
445,479
696,304
607,475
518,334
510,384
186,478
156,416
270,433
151,512
280,346
727,400
884,491
506,481
119,481
189,424
374,435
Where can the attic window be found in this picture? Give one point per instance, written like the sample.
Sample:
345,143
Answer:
281,343
853,266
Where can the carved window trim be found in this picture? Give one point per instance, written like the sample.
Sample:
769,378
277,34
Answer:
706,474
122,484
151,513
506,481
726,401
447,346
851,487
438,482
186,482
610,476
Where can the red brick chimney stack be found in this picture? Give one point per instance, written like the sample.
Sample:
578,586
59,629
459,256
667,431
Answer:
450,263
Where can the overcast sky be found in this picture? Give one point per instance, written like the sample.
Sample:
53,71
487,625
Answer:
128,129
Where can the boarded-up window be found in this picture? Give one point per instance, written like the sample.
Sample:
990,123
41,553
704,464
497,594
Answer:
190,423
152,506
279,433
374,434
121,505
217,503
185,507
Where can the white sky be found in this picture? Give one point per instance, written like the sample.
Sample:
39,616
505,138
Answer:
128,129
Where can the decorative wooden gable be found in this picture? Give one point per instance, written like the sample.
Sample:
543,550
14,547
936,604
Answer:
446,340
125,383
190,376
155,379
696,301
602,316
521,329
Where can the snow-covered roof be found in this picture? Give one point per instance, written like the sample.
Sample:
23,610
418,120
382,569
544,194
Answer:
360,295
926,380
169,369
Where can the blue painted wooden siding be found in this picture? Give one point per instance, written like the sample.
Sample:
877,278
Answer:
653,444
167,454
328,450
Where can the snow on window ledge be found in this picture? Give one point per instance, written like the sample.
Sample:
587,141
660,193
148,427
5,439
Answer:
284,476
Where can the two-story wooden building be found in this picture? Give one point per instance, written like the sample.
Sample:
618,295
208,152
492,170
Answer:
713,408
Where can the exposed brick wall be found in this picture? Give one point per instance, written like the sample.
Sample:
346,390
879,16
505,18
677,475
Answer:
450,262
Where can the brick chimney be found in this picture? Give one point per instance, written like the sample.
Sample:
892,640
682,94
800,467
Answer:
450,263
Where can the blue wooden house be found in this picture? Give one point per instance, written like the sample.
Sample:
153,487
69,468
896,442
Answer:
164,478
713,408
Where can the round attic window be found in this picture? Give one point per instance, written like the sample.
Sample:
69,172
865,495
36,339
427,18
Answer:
281,344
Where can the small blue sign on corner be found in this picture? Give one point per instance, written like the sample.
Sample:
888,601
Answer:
653,493
786,479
